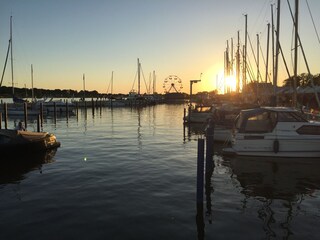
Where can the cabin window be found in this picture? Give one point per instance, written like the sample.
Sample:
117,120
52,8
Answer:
309,130
290,117
261,123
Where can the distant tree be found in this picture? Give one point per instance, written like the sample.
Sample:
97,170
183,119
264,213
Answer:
304,79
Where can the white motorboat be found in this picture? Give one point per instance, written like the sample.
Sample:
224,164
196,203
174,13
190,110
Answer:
274,132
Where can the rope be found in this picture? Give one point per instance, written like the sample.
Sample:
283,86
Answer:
314,26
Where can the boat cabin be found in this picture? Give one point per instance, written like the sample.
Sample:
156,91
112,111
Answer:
264,120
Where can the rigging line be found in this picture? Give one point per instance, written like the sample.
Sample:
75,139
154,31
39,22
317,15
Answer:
5,63
304,56
134,81
143,77
255,60
314,26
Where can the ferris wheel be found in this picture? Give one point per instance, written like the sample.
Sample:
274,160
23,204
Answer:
172,83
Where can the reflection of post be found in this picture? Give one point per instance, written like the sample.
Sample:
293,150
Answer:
200,167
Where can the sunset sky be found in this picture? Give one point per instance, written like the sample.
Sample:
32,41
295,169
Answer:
65,39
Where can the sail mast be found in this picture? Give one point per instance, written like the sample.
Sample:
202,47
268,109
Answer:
111,83
275,76
138,77
295,76
11,54
84,87
267,58
32,93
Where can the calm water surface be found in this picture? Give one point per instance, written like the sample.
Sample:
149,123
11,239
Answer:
131,174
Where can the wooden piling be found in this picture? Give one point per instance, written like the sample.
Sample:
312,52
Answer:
5,109
41,114
25,110
200,168
38,123
54,112
67,110
92,103
209,146
184,115
0,120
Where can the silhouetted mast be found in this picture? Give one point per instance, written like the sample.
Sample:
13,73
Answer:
275,76
11,54
267,57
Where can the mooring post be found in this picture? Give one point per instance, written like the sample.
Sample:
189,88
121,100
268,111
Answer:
0,120
184,115
209,167
25,110
5,108
200,172
67,110
54,112
210,146
92,103
38,123
41,114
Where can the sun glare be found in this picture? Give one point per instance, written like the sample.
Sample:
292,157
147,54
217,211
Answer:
230,83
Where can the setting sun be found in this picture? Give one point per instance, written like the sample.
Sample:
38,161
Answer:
230,83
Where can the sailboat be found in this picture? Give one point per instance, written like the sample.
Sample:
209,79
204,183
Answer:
113,102
15,109
275,131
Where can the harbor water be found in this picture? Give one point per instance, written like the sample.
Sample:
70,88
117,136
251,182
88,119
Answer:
128,173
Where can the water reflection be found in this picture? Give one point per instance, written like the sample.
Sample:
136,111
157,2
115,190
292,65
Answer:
192,131
270,181
12,170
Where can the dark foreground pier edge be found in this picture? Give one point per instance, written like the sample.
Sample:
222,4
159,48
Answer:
209,168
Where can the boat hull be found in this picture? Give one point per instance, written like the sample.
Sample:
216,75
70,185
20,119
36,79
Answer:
16,143
276,148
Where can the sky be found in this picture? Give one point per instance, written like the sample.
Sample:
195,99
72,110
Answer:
64,39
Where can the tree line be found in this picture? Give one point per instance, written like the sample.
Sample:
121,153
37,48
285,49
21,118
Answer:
6,92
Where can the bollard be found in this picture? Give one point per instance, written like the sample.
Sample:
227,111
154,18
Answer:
5,107
38,123
25,110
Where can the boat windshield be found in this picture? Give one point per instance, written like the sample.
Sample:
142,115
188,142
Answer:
257,122
291,117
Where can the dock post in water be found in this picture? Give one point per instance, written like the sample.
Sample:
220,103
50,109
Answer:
200,171
38,123
92,103
67,110
5,108
209,168
25,110
55,112
210,146
0,120
41,114
184,115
